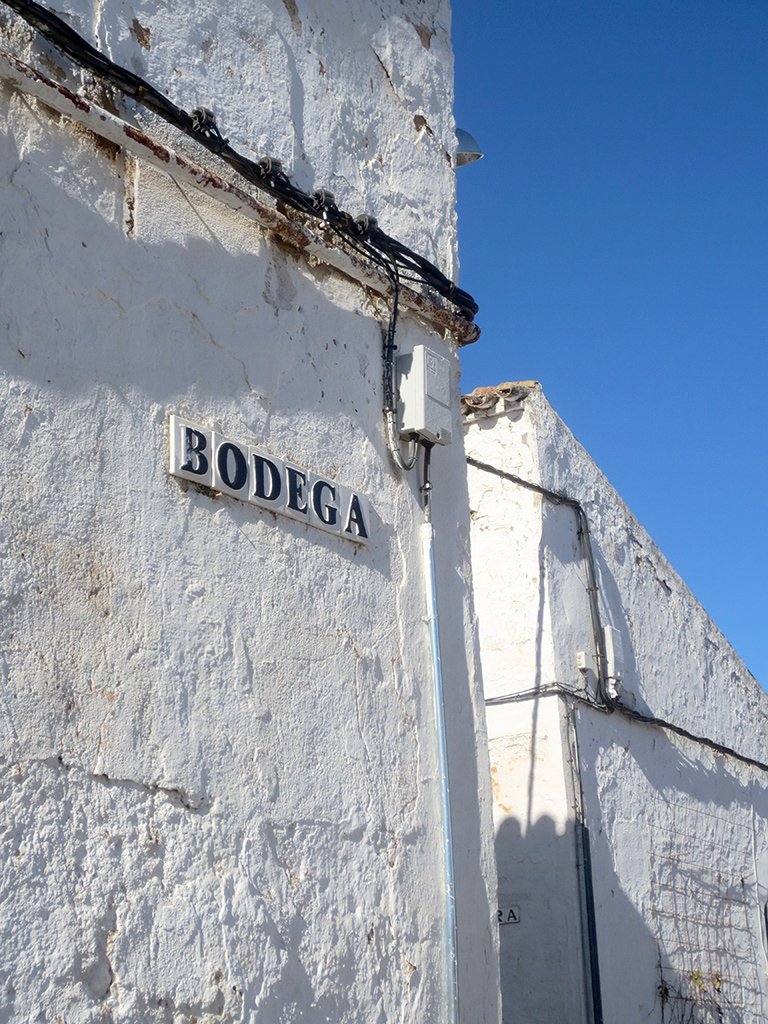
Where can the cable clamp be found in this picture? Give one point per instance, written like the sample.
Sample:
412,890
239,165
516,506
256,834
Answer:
324,201
270,167
365,225
204,123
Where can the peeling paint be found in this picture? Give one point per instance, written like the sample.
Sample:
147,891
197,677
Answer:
290,6
143,35
130,191
420,123
424,33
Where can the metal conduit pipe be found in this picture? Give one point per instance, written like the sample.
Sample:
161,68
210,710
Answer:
606,703
587,915
589,562
451,955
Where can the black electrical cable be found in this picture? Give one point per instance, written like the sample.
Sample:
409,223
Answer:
390,384
267,174
361,234
559,689
610,704
388,354
550,690
426,486
704,741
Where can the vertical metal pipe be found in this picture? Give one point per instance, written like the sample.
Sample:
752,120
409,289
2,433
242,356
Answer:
587,913
451,956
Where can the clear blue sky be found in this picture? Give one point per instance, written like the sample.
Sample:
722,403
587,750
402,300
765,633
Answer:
615,235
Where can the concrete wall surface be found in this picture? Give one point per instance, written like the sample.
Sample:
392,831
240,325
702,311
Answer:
218,787
676,828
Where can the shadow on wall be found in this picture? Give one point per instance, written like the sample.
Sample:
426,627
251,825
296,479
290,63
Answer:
685,842
679,837
542,980
544,976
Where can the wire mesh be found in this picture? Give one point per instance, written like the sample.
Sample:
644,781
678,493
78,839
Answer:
705,912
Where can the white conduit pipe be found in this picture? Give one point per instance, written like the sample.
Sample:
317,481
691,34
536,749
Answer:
451,957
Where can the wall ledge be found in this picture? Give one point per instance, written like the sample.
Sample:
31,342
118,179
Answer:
314,245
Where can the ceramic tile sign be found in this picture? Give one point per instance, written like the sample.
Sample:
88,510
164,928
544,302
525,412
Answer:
251,474
508,913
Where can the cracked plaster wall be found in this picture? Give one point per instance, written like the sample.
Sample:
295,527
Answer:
678,833
218,795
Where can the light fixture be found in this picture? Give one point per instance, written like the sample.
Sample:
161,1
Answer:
468,150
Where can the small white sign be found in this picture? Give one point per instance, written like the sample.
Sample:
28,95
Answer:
508,914
248,473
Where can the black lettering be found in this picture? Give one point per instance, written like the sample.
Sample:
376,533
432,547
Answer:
237,479
355,516
266,490
194,446
297,481
331,512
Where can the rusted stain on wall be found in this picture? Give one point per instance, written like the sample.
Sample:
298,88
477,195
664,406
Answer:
130,194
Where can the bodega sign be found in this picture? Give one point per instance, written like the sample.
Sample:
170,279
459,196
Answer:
252,475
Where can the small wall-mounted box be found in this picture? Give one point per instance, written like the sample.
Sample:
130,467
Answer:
424,395
614,654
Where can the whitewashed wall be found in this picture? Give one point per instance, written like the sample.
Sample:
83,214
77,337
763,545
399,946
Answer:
219,797
541,959
677,831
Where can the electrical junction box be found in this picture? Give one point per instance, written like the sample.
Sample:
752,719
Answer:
424,395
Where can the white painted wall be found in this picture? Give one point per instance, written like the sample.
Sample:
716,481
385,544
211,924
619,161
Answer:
218,795
677,831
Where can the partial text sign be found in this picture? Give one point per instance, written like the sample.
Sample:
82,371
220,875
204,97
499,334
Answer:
508,914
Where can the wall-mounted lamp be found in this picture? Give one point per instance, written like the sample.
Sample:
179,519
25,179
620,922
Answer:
468,150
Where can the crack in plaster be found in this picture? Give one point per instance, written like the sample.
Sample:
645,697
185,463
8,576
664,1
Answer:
224,900
235,359
202,220
212,340
344,633
174,793
387,75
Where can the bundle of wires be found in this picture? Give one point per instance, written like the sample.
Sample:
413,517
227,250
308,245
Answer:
362,234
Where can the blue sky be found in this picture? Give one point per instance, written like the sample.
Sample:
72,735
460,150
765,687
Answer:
615,235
